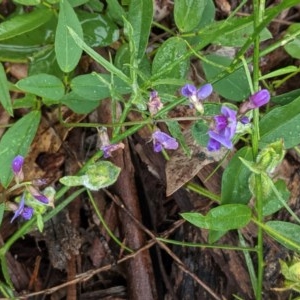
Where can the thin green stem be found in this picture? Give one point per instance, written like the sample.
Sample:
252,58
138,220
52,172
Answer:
186,244
259,8
110,233
202,191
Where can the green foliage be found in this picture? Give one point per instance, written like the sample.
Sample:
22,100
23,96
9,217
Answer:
16,141
235,86
98,176
188,13
171,50
51,37
140,16
43,85
67,51
222,218
4,92
282,123
237,190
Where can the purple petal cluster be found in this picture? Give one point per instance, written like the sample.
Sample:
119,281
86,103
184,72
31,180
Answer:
162,141
196,96
17,167
223,130
25,212
154,104
108,149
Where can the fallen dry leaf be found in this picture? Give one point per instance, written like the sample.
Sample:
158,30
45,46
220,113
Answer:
180,169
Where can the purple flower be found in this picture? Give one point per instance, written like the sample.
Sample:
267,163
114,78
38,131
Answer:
154,104
204,91
189,91
162,141
218,138
259,99
17,165
213,145
197,96
223,130
256,100
108,149
225,124
244,120
42,198
25,212
38,195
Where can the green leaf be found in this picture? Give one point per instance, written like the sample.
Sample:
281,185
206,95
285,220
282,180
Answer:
221,218
21,47
39,222
67,51
286,98
240,35
285,233
282,123
16,141
92,88
279,72
2,208
28,2
99,175
78,104
173,49
272,204
98,58
4,92
98,30
234,86
140,17
235,187
42,85
115,11
188,13
293,47
24,23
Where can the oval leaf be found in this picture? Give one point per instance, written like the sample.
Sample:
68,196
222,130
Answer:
67,51
99,175
24,23
43,85
221,218
232,87
188,13
16,141
235,186
285,233
172,50
140,16
4,92
96,86
282,123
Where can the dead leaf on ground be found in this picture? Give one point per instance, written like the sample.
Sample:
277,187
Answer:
180,169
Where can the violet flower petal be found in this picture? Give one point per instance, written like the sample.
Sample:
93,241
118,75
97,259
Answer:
213,145
188,90
17,164
260,98
204,91
27,212
225,141
19,210
42,198
164,140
